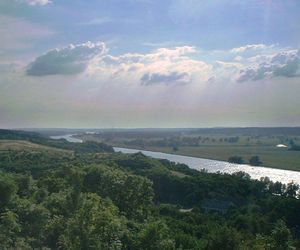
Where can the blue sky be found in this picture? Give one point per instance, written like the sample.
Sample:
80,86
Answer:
149,63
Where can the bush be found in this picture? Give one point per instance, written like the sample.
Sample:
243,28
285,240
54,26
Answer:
236,159
255,161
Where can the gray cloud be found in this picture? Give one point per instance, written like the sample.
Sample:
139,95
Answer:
284,64
169,78
67,61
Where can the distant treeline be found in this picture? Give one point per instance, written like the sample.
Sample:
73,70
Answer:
165,132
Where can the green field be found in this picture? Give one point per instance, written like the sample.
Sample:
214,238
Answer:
217,145
20,145
270,156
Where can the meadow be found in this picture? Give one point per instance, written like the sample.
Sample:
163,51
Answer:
216,144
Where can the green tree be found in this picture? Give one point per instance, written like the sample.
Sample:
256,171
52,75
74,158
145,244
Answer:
281,236
95,225
155,236
236,159
222,237
8,189
255,161
291,190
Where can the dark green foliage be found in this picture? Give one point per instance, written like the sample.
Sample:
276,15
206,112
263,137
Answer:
7,189
95,225
133,202
132,194
236,159
222,237
155,236
255,161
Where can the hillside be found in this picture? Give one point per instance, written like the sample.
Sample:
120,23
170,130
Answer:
18,145
53,199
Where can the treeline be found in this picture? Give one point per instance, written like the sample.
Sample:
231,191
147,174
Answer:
253,161
177,141
131,202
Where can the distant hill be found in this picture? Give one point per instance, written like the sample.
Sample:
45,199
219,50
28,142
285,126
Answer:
85,147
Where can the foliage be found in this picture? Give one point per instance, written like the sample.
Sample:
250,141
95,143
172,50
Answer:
255,161
117,201
236,159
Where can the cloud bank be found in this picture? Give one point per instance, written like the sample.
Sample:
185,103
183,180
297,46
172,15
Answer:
67,61
168,66
282,64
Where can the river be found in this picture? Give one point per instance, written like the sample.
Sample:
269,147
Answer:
212,166
68,137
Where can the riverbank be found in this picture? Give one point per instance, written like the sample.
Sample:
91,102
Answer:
215,166
210,165
271,157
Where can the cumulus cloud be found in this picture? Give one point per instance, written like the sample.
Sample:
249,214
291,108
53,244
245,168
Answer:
284,64
66,61
162,66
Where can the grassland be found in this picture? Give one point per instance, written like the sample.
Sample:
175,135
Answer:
19,145
217,146
270,156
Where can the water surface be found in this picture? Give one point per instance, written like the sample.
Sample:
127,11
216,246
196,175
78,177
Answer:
213,166
68,137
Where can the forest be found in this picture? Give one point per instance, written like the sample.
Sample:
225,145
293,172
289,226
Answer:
60,195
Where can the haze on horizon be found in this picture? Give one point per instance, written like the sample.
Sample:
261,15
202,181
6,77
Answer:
149,63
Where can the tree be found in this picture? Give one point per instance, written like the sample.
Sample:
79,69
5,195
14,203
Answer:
222,237
291,190
9,229
255,161
236,159
281,236
95,225
8,189
155,236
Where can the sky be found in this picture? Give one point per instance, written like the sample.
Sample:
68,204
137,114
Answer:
149,63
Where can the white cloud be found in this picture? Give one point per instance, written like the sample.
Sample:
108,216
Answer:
161,66
164,87
250,47
164,66
38,2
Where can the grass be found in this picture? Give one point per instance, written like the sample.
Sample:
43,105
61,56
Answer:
271,156
17,145
215,146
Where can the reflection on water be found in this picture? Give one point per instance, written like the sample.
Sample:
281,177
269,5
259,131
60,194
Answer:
68,137
284,176
213,166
